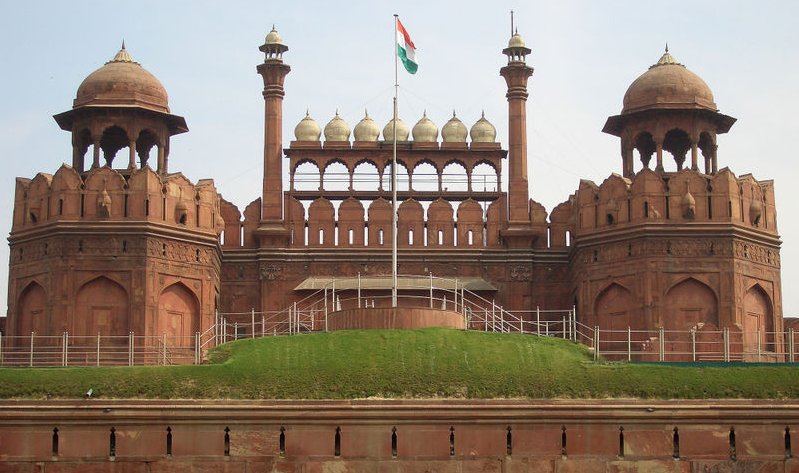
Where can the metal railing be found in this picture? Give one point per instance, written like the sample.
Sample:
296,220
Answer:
100,350
728,344
311,314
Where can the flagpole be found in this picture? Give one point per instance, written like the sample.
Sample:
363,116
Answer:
394,177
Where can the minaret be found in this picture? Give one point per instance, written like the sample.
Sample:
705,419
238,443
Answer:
516,74
274,71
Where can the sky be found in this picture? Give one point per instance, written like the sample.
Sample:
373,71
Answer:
585,55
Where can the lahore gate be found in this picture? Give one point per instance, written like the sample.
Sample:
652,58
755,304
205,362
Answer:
118,241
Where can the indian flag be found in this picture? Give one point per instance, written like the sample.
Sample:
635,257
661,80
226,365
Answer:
406,49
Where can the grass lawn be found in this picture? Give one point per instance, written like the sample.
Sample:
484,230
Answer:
405,364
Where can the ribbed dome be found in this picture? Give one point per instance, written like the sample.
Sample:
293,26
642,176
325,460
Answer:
366,129
337,129
454,131
273,37
402,130
122,82
483,131
307,129
668,85
425,131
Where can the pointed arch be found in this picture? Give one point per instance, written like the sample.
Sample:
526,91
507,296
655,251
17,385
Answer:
688,303
758,319
32,311
614,310
178,315
101,306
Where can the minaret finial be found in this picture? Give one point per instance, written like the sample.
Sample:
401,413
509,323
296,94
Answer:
667,46
123,43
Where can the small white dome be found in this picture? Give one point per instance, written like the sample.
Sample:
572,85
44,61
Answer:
454,131
425,131
337,129
402,130
307,129
366,129
483,131
273,37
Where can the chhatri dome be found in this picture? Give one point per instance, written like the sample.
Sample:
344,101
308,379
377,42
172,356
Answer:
122,82
307,129
366,129
483,131
402,130
454,131
273,37
425,131
668,85
516,41
337,129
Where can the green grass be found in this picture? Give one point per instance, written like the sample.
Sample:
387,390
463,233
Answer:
405,364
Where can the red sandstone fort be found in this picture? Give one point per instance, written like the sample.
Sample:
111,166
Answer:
118,241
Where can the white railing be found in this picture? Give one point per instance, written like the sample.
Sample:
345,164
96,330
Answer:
100,350
727,344
311,313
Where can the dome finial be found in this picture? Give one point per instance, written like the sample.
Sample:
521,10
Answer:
667,46
123,55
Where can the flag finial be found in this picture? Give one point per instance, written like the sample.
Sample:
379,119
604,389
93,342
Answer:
511,22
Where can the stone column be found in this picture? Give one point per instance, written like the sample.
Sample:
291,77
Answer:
659,154
516,75
132,155
273,71
694,156
96,154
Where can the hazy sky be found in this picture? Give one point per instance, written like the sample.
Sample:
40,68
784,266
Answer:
585,55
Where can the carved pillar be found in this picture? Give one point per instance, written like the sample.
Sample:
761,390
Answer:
161,159
694,156
659,154
96,153
714,157
132,155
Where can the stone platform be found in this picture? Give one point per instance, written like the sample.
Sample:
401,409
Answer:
394,318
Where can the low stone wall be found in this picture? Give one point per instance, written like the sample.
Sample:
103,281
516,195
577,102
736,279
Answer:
394,318
398,436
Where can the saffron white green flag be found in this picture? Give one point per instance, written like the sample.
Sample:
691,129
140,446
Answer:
406,49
